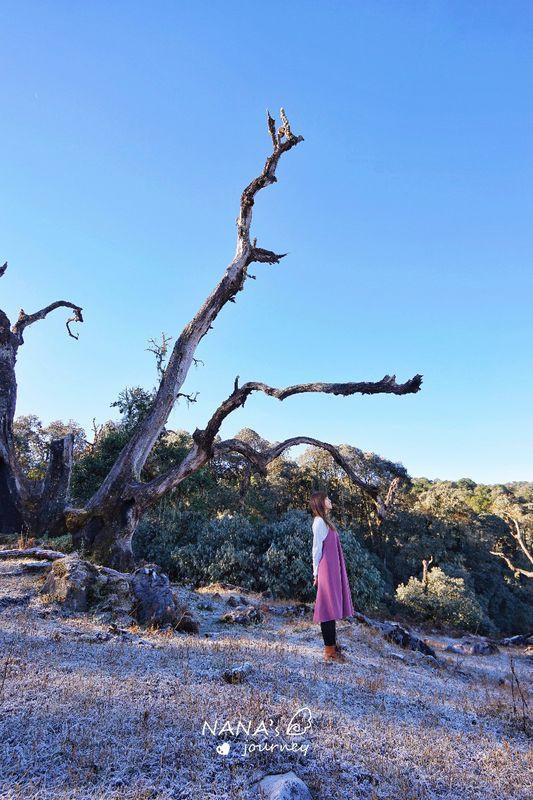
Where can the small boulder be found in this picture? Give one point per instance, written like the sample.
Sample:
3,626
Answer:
156,602
473,648
237,673
70,581
145,596
233,601
287,786
518,640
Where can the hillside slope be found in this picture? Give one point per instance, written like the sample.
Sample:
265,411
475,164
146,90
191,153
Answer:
90,713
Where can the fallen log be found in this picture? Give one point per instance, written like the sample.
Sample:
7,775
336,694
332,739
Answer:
32,552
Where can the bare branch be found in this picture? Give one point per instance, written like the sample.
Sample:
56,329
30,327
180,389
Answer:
265,256
28,319
519,570
148,493
3,268
189,397
160,350
383,505
238,397
261,458
518,537
272,129
130,461
204,446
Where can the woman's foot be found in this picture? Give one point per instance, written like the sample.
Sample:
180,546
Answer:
332,653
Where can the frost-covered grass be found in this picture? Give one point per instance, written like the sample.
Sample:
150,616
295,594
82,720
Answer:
87,718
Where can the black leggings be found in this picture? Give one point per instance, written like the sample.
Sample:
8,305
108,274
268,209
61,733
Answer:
328,632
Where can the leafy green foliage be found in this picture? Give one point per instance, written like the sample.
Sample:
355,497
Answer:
227,523
444,600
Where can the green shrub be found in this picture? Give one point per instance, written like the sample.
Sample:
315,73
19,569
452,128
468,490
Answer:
257,556
445,600
61,543
287,563
225,549
367,583
160,534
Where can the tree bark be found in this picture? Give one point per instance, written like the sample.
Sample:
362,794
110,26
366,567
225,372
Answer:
11,520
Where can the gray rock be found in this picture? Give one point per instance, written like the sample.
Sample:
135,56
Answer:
205,605
69,582
473,648
145,596
233,601
20,600
93,638
287,786
518,640
396,634
243,615
155,601
237,673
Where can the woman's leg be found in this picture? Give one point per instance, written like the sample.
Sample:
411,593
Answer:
328,632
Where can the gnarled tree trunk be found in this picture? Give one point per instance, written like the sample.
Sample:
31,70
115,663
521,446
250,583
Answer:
104,528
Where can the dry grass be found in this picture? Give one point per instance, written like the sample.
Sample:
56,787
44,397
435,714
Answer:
123,720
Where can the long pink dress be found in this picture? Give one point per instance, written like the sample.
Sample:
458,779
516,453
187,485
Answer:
333,596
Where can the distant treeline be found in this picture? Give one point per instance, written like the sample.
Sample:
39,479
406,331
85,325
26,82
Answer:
227,523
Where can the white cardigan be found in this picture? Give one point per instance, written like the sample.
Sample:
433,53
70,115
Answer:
320,531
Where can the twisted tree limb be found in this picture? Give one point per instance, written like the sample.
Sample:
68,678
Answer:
519,539
28,319
128,466
106,524
387,385
205,447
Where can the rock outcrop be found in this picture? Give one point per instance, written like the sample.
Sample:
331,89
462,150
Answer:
144,596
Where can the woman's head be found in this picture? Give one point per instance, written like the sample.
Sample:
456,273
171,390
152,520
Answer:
321,506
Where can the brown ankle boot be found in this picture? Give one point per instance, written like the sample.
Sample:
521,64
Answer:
330,651
332,654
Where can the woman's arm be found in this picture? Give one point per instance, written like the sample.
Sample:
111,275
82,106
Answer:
320,531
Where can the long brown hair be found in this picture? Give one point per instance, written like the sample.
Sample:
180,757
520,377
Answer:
318,507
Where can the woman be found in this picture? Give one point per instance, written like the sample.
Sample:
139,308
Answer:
333,597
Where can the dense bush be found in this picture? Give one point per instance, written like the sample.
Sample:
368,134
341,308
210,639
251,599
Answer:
256,556
227,522
287,564
445,600
365,576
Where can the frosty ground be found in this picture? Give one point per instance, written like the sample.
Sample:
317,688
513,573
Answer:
86,712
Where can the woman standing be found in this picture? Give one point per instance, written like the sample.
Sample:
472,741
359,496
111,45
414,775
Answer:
333,597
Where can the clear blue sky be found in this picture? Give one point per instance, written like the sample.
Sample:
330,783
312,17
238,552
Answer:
128,131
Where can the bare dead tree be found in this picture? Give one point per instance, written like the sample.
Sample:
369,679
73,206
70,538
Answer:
519,539
104,527
29,505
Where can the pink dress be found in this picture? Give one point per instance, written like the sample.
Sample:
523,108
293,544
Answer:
333,596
